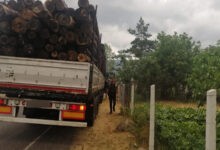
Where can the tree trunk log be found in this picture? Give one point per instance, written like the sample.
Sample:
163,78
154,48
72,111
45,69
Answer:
31,35
4,40
65,20
49,47
5,27
44,34
27,14
62,40
13,41
19,25
28,50
70,36
28,3
12,4
54,54
83,3
50,5
34,25
62,56
38,7
6,12
83,58
60,5
8,51
72,55
53,39
53,25
83,39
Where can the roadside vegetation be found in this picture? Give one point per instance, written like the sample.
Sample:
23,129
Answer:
183,71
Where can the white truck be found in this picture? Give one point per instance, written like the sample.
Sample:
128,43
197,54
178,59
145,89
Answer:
49,92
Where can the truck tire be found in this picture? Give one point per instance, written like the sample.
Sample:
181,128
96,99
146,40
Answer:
90,120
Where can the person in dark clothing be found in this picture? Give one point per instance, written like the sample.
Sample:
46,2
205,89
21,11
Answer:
112,90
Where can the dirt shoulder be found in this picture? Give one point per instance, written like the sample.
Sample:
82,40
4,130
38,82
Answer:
103,136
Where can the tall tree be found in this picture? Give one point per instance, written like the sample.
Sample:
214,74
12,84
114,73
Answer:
142,44
110,58
174,55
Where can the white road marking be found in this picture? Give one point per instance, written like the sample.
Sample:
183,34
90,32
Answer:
35,140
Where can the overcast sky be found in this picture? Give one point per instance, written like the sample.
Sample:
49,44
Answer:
199,18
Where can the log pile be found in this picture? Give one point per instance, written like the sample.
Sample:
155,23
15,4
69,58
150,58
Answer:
29,28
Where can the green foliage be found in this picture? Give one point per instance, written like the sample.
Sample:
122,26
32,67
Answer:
205,73
174,54
182,128
141,115
141,45
110,58
127,68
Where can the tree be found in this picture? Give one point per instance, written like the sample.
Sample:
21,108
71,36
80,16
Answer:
110,58
205,73
174,55
142,44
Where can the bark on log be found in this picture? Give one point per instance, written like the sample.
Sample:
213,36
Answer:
82,15
53,39
19,25
62,40
38,7
62,56
72,55
34,25
53,25
70,36
12,4
42,54
27,14
50,5
49,47
4,40
60,5
83,39
39,44
28,3
31,35
83,3
8,51
44,34
20,5
5,27
6,12
13,41
28,50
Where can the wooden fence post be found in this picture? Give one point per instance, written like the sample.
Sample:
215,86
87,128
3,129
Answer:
152,117
211,120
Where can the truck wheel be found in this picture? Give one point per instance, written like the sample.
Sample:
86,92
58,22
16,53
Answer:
90,120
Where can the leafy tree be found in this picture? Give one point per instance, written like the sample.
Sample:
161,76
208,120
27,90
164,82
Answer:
126,68
110,58
174,55
142,44
205,73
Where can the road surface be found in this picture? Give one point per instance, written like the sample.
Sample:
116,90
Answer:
36,137
15,136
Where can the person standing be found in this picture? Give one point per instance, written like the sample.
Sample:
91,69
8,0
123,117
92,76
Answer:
112,91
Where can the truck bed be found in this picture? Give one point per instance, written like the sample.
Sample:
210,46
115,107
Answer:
50,75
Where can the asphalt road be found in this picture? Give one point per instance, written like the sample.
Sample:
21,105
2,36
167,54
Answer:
15,136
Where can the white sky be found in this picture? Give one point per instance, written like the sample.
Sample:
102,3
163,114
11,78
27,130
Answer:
199,18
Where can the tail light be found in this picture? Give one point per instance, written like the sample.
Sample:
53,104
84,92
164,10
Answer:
1,101
77,107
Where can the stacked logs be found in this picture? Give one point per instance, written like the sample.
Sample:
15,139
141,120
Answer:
29,28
